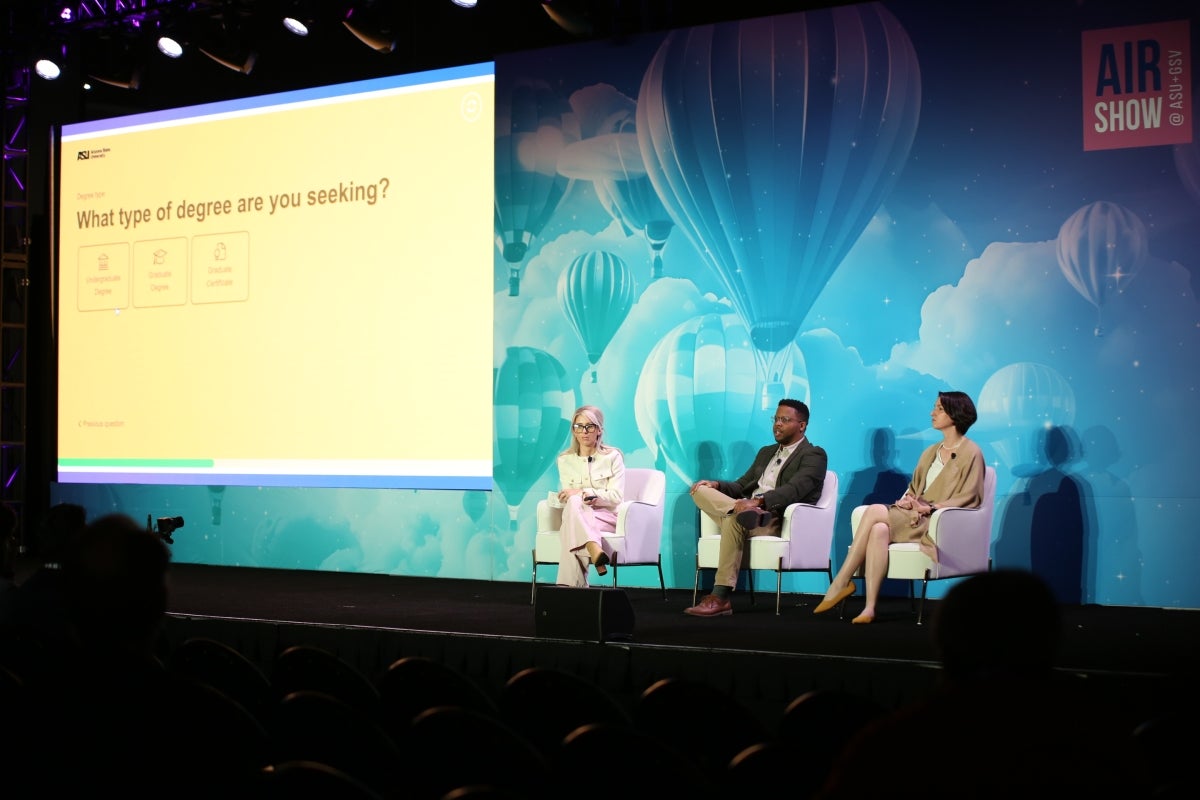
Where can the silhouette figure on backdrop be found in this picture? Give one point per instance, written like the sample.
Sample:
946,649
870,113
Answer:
591,479
1043,525
949,474
1117,566
1001,722
790,471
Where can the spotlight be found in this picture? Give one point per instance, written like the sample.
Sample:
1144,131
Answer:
295,25
50,60
169,46
47,69
371,27
113,61
232,56
298,17
465,3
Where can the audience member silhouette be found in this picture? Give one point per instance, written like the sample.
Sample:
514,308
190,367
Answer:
1002,722
113,706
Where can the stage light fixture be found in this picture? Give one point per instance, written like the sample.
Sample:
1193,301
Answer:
114,61
370,26
47,69
299,16
296,26
230,52
465,3
49,57
169,46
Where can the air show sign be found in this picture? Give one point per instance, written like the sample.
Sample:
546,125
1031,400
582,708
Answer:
1137,86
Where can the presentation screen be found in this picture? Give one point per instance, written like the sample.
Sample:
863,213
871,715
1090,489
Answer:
287,290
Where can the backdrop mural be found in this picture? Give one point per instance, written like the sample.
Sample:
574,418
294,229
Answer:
855,207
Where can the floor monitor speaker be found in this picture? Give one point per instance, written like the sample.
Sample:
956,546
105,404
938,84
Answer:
594,615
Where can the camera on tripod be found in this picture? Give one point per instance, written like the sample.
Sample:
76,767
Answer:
166,527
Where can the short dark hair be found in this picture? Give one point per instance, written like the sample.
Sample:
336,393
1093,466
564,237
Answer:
800,408
961,409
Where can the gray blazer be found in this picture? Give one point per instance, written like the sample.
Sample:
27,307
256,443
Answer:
800,479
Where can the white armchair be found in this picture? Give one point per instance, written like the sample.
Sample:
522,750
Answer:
963,537
805,540
804,543
637,540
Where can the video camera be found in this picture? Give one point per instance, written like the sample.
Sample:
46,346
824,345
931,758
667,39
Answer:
166,527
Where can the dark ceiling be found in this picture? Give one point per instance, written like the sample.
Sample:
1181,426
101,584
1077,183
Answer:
429,34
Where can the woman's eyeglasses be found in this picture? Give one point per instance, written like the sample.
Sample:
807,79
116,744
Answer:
588,428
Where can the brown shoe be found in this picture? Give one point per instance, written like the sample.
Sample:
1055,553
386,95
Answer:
711,606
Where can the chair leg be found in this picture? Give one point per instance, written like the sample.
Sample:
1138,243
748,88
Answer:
921,608
662,584
533,582
696,585
778,585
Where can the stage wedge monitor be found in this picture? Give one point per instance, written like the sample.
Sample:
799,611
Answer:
583,614
285,290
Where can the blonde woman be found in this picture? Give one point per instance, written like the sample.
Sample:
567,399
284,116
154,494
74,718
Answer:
592,479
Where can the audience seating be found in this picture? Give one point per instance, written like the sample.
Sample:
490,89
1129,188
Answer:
542,728
308,667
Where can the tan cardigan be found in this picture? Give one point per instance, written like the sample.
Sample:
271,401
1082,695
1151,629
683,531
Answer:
960,485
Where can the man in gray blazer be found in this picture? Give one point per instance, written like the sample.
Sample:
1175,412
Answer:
790,471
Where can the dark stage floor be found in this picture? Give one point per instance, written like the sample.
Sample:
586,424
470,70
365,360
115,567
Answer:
1140,659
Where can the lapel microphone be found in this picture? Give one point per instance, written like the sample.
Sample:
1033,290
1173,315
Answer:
590,459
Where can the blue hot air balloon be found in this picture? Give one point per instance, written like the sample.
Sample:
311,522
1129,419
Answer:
772,142
596,292
1100,249
533,406
608,155
530,135
698,399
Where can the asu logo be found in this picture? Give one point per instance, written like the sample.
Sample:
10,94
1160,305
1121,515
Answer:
82,155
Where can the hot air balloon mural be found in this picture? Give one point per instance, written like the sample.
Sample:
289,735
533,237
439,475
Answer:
596,292
1187,160
1017,404
697,400
530,134
1100,249
533,407
608,154
1187,164
772,142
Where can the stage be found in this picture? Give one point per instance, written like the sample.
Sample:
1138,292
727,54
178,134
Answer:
1139,660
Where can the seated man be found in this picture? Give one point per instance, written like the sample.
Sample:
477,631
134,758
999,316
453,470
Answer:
790,471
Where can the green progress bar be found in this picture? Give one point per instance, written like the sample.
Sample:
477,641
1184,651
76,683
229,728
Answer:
136,462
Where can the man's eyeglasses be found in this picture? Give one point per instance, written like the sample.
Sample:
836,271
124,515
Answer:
785,420
588,428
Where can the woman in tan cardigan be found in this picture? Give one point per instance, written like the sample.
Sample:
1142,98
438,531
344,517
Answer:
949,474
